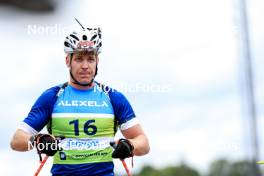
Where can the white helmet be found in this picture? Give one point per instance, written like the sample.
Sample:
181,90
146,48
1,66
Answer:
89,39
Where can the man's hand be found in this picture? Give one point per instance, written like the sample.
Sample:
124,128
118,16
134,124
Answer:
45,143
123,149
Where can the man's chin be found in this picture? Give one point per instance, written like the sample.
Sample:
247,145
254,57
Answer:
85,81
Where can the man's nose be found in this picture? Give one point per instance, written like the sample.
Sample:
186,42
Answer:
85,64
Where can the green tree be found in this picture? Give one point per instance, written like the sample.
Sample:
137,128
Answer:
223,167
219,167
149,171
244,168
182,170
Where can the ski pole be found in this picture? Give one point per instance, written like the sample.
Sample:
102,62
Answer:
126,168
41,165
113,144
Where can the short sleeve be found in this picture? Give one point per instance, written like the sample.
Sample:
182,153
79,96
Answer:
41,111
122,108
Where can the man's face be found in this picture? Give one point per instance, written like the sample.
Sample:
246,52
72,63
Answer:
83,66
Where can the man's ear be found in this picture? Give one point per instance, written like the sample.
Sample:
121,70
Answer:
67,60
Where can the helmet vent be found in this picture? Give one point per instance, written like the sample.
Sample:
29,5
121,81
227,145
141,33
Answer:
94,36
73,36
66,44
84,37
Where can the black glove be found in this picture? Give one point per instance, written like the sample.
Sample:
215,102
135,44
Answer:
45,143
123,149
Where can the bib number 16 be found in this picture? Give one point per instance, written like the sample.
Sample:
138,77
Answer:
88,127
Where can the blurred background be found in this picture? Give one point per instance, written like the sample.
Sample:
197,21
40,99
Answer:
192,71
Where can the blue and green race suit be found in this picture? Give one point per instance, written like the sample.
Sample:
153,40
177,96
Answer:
86,119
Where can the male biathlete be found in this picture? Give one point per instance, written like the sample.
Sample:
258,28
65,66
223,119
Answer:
82,117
